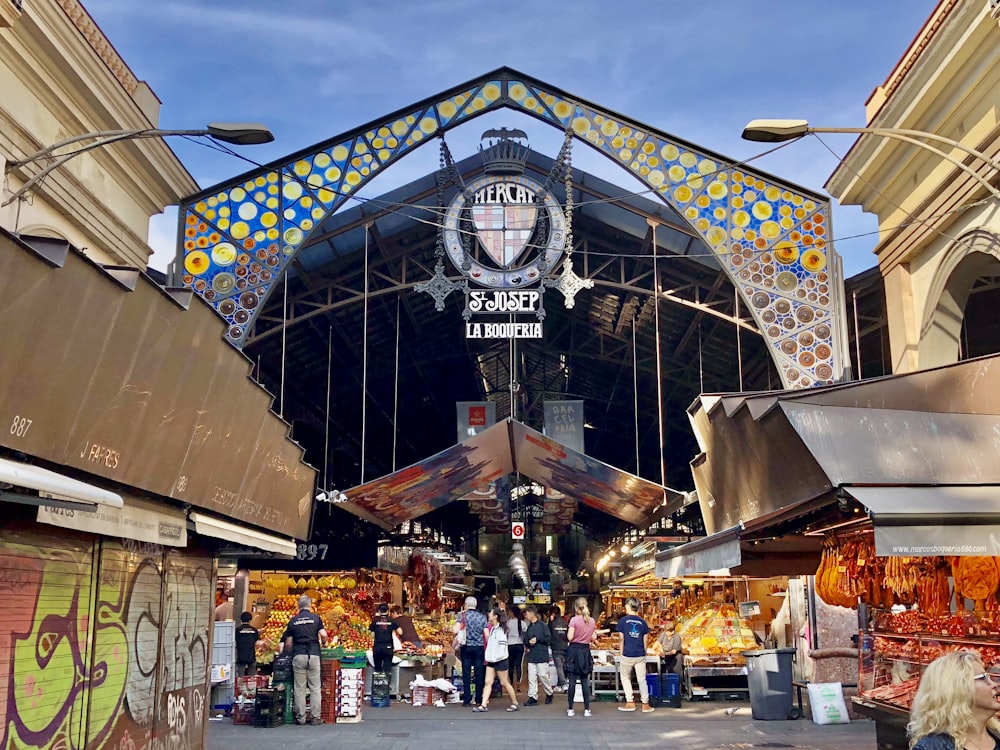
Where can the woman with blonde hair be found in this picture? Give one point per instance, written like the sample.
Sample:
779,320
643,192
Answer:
955,706
579,662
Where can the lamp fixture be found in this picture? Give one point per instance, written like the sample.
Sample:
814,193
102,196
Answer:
776,131
237,133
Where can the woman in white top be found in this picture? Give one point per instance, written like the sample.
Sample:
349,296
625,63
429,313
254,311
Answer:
497,660
515,644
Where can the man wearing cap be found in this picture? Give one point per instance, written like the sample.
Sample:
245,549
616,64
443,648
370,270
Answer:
473,653
304,637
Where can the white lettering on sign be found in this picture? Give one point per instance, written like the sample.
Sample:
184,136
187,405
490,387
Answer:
504,192
503,330
505,301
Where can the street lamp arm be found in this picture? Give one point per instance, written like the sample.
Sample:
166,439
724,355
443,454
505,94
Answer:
906,134
236,133
772,131
100,139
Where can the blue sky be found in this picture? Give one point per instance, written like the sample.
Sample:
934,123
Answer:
311,69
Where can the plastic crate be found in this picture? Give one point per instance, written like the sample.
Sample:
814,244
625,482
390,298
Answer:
243,713
247,687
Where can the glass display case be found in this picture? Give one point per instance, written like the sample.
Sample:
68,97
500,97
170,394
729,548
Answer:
889,672
891,663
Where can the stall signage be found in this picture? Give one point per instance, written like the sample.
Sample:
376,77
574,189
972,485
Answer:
505,233
132,521
517,530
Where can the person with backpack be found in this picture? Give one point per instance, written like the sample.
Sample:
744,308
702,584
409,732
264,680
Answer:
558,627
515,645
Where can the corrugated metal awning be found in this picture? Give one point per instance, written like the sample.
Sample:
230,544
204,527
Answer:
931,521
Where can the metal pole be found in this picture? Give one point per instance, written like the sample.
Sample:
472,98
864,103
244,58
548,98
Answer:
659,376
364,364
857,334
739,346
635,390
326,440
395,391
284,334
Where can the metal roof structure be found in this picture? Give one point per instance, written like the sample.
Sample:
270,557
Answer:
419,363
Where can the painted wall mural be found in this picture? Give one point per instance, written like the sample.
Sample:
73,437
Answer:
772,239
103,646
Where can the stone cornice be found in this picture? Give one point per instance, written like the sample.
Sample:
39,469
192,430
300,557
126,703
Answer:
95,37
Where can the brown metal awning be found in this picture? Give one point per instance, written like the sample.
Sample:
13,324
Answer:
504,448
762,452
110,374
748,549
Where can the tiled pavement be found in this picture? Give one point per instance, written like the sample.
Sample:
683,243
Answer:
695,726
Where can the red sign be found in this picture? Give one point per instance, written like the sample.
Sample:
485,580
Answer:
517,530
477,416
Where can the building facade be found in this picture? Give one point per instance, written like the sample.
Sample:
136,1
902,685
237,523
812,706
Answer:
939,222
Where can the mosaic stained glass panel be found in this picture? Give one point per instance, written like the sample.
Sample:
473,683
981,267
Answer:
772,239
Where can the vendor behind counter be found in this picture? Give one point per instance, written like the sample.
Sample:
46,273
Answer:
405,623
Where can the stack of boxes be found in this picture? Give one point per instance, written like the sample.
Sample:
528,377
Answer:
350,694
269,710
246,695
329,673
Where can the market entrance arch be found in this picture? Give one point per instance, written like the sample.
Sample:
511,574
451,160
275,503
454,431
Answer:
772,239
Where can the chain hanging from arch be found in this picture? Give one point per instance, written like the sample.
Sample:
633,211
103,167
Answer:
568,282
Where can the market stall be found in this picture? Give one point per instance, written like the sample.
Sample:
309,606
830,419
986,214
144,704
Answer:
918,607
714,638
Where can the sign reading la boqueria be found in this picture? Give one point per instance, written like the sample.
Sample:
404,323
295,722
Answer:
507,303
505,233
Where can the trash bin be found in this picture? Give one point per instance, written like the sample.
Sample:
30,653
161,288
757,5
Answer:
670,690
653,685
769,677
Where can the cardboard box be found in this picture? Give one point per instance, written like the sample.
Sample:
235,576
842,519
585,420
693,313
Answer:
423,695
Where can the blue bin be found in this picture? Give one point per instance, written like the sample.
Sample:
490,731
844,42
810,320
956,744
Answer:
653,685
671,685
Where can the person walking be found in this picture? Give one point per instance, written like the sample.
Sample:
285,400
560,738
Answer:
497,661
473,652
515,645
956,705
558,626
383,626
633,634
536,639
304,637
247,638
579,661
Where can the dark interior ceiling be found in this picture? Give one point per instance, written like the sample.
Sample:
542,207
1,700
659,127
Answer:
602,351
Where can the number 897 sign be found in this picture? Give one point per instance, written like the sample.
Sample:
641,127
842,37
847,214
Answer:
517,530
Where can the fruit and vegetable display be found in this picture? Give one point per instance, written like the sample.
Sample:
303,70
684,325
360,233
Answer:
716,633
346,603
278,615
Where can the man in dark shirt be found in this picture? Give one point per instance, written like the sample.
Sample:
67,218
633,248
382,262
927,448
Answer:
304,637
406,623
536,640
247,637
383,627
558,627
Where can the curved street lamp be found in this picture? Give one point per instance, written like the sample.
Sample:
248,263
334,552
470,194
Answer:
237,133
774,131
